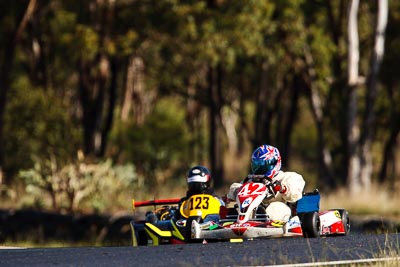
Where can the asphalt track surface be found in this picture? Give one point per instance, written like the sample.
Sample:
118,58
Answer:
261,252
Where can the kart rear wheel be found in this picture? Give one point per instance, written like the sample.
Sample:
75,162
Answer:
310,224
344,214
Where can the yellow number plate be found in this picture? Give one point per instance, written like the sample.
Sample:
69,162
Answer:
200,205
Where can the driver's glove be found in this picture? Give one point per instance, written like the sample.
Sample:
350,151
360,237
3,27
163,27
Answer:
278,187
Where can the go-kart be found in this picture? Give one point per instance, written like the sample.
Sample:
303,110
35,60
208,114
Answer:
249,219
171,223
202,218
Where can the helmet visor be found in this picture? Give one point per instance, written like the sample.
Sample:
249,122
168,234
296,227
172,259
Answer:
262,166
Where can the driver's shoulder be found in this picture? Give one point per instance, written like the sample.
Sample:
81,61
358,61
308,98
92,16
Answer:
286,174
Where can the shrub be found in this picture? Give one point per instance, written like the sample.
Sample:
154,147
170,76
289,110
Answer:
79,186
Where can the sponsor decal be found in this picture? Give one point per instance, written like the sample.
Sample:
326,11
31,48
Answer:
326,230
293,223
277,223
227,223
329,218
247,202
337,214
212,227
206,225
239,225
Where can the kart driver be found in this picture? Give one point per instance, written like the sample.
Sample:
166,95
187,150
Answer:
198,181
288,186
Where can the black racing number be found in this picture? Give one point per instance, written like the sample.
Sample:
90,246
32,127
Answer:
205,205
199,202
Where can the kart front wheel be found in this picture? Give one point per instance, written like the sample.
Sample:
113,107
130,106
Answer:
188,234
310,224
139,237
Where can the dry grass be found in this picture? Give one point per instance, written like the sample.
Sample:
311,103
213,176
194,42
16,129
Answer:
375,201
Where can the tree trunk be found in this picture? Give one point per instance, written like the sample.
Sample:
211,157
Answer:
289,121
243,131
388,168
96,78
326,179
111,102
127,101
5,68
337,19
376,60
133,102
216,151
353,173
193,120
92,95
263,116
229,121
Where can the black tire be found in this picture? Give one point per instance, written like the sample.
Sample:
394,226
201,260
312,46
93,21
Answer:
310,224
344,214
139,237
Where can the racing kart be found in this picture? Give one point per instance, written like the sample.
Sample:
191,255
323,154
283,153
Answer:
202,218
172,222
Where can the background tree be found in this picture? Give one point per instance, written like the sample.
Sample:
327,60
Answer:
360,139
367,136
354,81
388,111
168,84
14,23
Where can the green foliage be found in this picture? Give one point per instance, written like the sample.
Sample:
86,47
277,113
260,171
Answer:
127,42
87,41
322,49
36,125
79,186
160,145
178,42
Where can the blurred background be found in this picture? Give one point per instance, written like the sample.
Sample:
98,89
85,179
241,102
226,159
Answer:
102,101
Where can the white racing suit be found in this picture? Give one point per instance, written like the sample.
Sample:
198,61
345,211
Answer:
277,210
